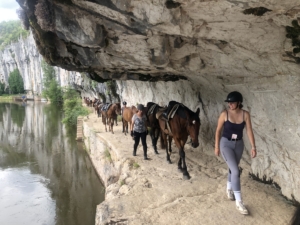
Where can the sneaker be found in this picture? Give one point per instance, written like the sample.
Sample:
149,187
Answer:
230,194
241,208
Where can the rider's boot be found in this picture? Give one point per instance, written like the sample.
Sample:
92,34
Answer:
134,150
145,152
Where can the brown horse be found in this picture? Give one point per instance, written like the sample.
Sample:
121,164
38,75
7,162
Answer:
127,115
152,122
109,116
183,124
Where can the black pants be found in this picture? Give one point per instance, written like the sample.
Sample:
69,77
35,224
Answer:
137,137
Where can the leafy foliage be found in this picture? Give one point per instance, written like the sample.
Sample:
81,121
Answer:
15,82
2,88
10,31
72,107
51,90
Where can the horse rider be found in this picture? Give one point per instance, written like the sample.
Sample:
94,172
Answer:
231,144
124,106
139,130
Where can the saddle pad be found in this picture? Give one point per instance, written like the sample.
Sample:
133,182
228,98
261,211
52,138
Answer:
159,112
173,111
106,107
150,111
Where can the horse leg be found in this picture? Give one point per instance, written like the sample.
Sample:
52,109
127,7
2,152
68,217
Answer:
104,121
154,133
186,175
167,150
123,126
127,126
170,142
112,125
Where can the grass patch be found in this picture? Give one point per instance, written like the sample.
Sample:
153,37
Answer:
119,118
135,165
122,182
107,155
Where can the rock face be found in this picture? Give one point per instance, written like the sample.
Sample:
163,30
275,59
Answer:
24,55
216,46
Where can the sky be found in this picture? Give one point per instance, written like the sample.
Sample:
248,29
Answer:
8,10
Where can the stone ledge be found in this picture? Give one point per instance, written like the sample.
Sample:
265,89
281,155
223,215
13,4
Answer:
155,193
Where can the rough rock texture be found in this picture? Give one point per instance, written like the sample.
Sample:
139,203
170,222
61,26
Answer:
25,56
153,191
219,46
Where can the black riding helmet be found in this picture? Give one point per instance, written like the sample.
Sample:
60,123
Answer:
234,96
140,107
124,103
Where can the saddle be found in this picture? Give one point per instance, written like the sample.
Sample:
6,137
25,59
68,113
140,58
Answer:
106,106
169,116
151,109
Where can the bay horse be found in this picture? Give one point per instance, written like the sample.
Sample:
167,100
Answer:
183,124
109,116
127,115
152,122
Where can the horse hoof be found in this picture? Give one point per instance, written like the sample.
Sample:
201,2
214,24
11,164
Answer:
169,161
186,177
156,152
180,170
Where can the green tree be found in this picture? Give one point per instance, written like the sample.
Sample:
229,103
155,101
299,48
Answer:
72,107
15,82
11,31
51,90
2,88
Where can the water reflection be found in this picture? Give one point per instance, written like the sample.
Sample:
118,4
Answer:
45,177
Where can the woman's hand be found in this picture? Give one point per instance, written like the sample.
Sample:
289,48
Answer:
217,151
253,153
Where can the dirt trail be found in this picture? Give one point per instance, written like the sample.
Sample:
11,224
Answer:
155,192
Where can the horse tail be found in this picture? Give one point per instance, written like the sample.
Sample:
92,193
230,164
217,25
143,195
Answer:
162,141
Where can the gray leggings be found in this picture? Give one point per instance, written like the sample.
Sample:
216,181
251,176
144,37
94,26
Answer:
232,152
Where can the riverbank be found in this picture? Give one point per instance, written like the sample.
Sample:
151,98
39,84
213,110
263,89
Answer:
153,191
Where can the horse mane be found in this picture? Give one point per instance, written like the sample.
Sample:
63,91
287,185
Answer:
181,114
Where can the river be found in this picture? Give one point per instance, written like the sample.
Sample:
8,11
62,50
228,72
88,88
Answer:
46,177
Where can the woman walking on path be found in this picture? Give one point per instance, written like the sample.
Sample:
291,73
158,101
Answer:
231,144
139,130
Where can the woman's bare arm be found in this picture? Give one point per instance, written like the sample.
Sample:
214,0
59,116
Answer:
221,121
250,134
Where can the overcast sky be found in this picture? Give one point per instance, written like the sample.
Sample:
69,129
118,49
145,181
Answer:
8,10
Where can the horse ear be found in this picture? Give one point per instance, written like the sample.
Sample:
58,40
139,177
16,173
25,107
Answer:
198,111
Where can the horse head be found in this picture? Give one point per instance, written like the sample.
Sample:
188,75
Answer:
193,126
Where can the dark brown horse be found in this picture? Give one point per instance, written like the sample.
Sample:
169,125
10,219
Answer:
152,122
109,116
127,115
183,124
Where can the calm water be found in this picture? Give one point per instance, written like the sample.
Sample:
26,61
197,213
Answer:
46,177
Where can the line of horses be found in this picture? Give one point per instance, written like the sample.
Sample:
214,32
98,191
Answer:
182,124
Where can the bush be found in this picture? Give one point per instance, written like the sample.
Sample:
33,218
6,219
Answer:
72,107
2,88
51,90
15,82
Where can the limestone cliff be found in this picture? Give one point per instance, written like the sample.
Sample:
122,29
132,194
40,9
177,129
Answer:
213,47
25,56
